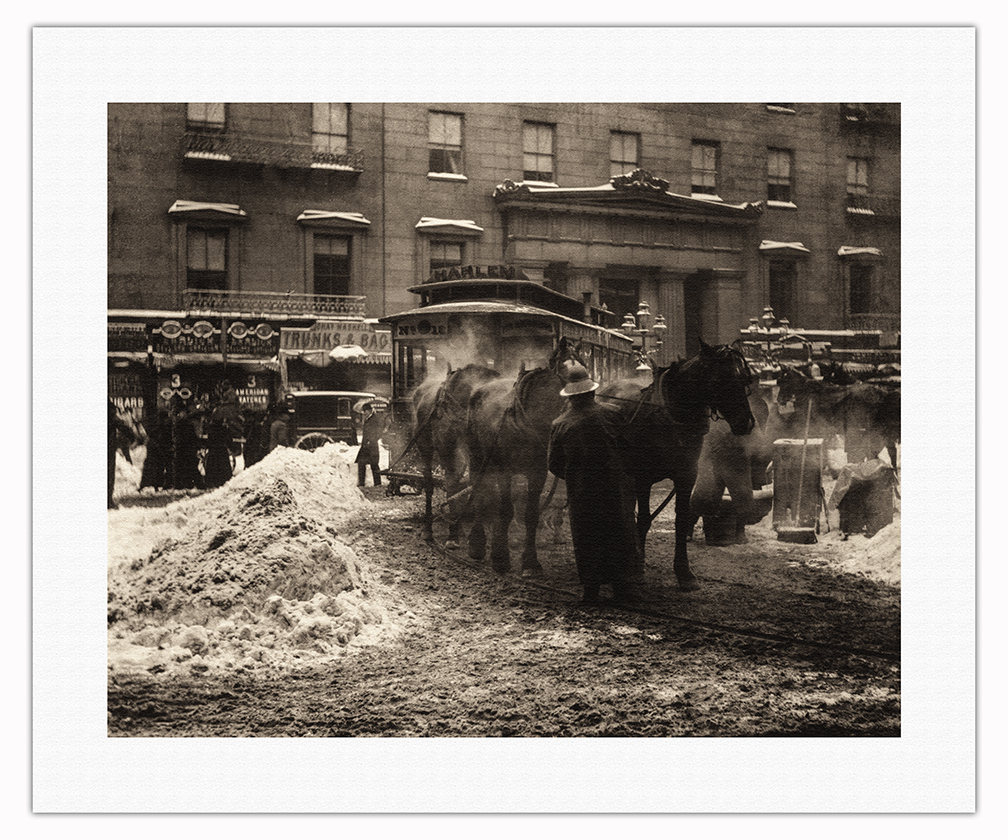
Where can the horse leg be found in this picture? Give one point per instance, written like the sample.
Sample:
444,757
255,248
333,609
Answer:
428,523
739,484
481,494
530,559
454,507
500,555
680,564
643,493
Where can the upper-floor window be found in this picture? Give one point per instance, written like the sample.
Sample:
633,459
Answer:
537,151
779,175
206,258
444,141
624,153
444,254
859,298
331,264
857,176
783,276
205,115
705,167
330,127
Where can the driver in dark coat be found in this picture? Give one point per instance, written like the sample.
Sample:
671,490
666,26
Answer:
583,451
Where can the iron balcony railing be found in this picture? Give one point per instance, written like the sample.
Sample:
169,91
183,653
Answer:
289,154
267,304
880,206
887,322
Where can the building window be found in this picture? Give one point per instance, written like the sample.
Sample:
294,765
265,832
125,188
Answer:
783,280
857,176
860,288
444,141
444,254
705,167
331,264
537,152
624,153
778,175
205,115
619,296
330,128
206,258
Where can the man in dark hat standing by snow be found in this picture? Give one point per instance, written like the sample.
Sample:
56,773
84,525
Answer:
583,452
374,428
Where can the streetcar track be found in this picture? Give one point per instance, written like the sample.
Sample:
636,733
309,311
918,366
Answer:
663,615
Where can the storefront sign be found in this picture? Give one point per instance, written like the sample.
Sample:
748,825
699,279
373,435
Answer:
326,335
127,337
253,397
423,327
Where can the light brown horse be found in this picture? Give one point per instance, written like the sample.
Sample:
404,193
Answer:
440,410
508,436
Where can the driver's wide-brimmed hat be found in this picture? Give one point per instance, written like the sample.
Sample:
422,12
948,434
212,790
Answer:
578,382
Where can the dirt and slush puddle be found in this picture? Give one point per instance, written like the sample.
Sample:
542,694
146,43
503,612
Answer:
781,640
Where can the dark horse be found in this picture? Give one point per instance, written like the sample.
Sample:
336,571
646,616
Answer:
440,410
867,414
508,435
663,426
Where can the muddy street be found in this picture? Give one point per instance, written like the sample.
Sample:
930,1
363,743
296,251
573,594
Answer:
780,640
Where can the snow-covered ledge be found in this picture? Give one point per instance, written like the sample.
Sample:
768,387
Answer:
445,176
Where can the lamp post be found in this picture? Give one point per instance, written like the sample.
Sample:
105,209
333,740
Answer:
641,326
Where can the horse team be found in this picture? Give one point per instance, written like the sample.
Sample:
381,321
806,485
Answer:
484,431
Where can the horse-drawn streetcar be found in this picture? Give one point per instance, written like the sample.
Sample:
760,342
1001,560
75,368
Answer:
497,318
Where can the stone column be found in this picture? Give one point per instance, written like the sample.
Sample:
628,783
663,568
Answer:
669,302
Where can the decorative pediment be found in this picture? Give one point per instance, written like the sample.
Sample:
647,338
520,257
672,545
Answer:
638,191
458,227
205,211
640,180
333,219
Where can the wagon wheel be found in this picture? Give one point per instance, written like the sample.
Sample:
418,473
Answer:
312,441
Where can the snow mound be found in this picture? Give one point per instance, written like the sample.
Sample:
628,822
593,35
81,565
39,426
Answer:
252,574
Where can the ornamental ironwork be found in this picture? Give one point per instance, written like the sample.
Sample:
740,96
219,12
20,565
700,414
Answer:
245,149
882,206
265,304
509,187
641,180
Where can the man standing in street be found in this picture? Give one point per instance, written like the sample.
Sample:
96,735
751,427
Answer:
583,452
374,428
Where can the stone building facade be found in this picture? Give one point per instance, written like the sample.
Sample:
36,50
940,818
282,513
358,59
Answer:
709,212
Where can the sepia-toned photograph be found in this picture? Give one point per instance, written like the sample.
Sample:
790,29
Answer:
510,417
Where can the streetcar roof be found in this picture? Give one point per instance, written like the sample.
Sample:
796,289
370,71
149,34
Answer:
487,307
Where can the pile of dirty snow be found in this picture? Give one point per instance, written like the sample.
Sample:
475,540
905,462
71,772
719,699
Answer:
254,574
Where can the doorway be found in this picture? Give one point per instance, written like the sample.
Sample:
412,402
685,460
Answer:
694,292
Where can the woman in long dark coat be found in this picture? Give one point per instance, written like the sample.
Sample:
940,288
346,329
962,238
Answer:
217,465
583,451
159,454
186,441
